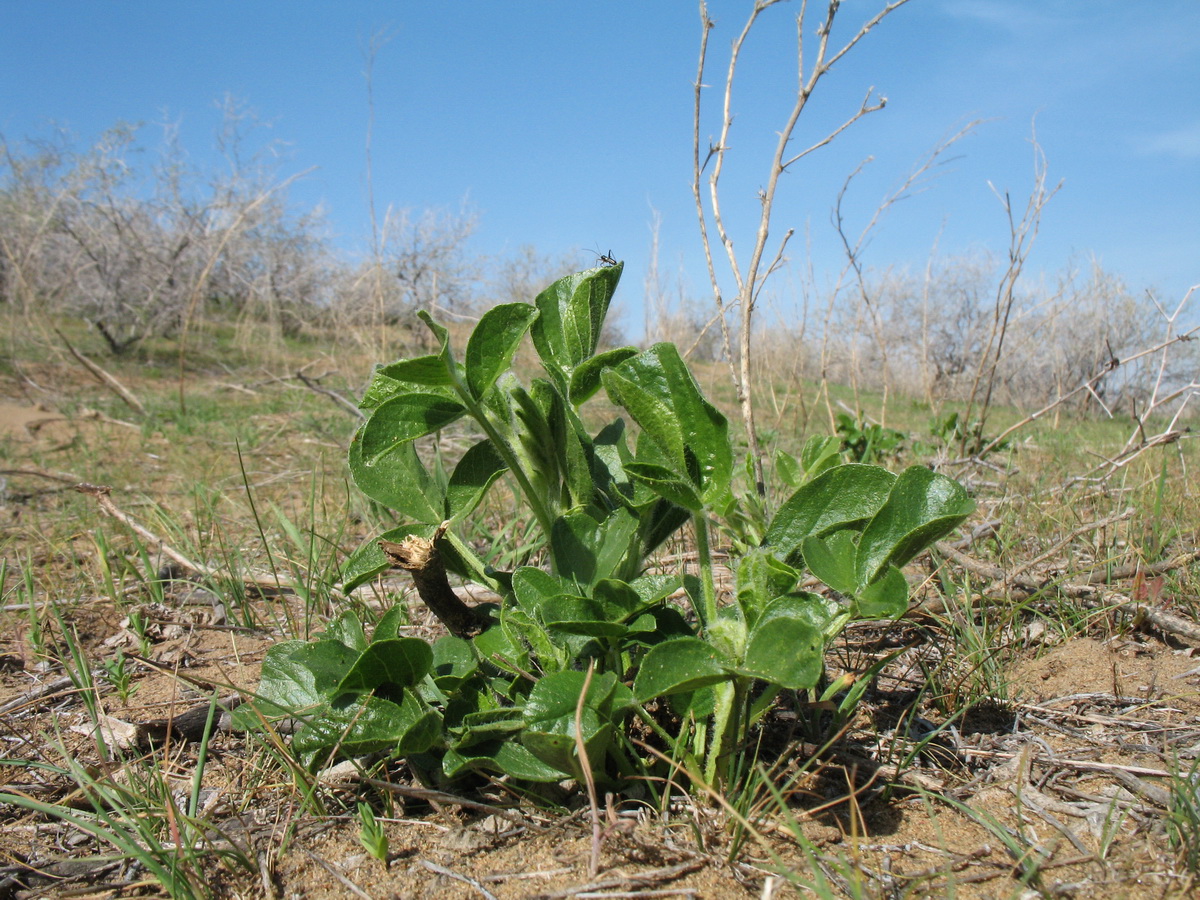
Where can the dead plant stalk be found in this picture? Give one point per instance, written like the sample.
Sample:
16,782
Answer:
751,279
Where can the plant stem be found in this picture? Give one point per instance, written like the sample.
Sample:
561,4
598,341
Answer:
707,612
541,511
420,557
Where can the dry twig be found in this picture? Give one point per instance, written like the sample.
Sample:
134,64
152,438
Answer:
106,379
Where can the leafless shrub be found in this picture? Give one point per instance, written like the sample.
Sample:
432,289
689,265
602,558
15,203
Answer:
750,273
420,262
871,319
1022,233
135,249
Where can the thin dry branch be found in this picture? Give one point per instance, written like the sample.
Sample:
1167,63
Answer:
1089,384
104,377
1078,531
750,278
1021,237
102,493
333,395
914,183
1011,585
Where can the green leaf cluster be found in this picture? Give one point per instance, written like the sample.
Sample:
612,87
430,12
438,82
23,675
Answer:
511,700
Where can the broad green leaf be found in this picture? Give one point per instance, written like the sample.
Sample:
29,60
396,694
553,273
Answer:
347,629
582,616
570,320
653,588
379,389
501,757
430,371
554,743
921,508
694,704
585,380
666,484
297,677
371,724
679,665
812,608
585,550
659,522
445,354
475,473
820,452
668,625
833,560
784,650
492,344
523,628
557,696
534,587
399,481
658,390
837,498
619,599
643,624
788,469
727,634
583,481
405,418
487,725
454,661
885,597
389,624
761,577
496,647
528,415
551,716
399,661
640,385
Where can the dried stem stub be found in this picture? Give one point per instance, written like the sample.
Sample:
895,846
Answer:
420,556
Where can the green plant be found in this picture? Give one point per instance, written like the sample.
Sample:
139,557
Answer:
1183,818
951,430
504,692
371,834
117,673
142,821
26,593
868,442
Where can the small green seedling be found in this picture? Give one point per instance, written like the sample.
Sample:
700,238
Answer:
371,833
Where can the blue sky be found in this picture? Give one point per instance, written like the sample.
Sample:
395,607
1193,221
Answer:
566,124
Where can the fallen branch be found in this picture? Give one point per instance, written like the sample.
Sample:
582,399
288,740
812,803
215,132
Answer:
333,395
41,473
102,492
450,873
104,377
1020,587
428,795
654,876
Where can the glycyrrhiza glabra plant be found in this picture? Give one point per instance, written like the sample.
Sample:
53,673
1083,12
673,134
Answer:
502,692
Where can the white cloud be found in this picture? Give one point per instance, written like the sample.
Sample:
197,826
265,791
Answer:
1181,143
1021,19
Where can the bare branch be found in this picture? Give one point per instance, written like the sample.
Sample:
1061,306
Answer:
748,280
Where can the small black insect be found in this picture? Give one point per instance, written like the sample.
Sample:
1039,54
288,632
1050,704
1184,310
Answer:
606,259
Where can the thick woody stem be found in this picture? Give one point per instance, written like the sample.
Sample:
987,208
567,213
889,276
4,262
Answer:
421,557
